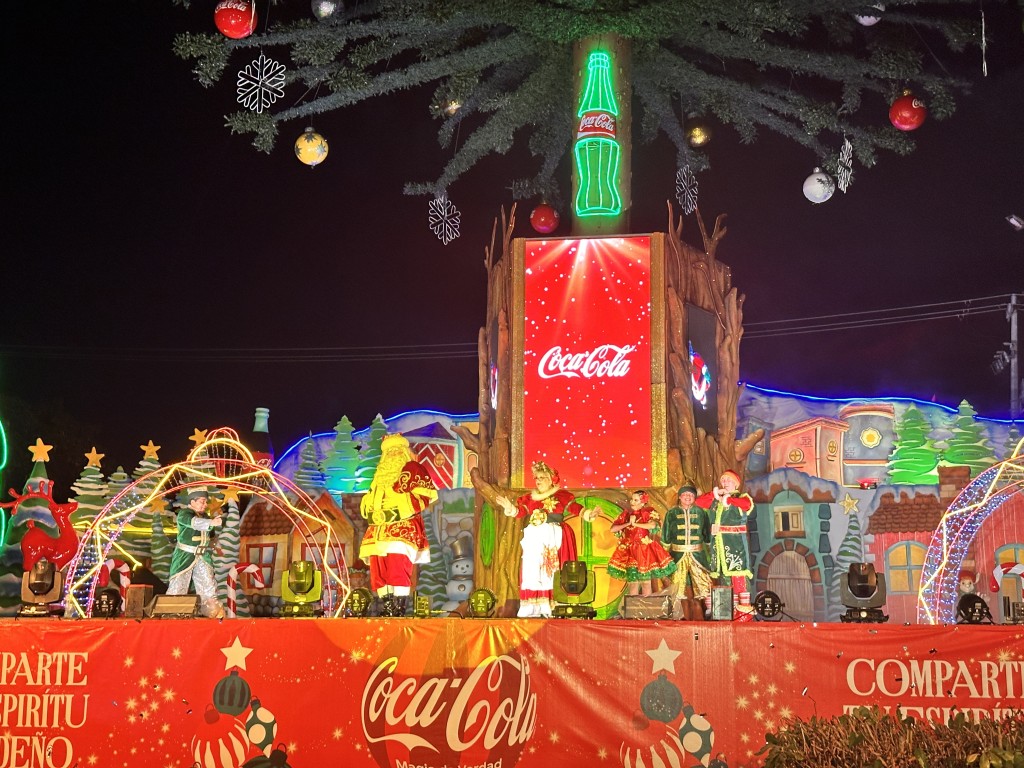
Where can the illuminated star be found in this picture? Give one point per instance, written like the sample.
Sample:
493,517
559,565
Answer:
849,504
149,450
235,653
198,435
663,658
40,451
94,458
215,505
158,504
230,494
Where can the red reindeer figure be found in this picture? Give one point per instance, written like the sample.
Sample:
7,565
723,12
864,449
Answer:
37,544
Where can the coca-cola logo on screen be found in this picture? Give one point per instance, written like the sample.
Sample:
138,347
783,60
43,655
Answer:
596,124
605,361
487,711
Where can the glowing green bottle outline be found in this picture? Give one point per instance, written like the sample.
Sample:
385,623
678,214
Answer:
598,158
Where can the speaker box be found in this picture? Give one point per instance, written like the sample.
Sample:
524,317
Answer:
643,607
721,603
139,596
174,607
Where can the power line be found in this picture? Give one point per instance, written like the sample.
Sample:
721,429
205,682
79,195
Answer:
966,304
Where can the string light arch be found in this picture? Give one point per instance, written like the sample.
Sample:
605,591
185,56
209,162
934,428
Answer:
936,599
220,461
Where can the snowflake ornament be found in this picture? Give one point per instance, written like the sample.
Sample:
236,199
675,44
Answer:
260,84
444,219
845,174
686,189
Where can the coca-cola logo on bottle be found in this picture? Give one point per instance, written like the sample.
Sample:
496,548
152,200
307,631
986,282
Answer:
596,124
477,716
607,360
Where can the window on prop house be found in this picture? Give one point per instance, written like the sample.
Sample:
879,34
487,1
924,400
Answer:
263,555
788,509
903,564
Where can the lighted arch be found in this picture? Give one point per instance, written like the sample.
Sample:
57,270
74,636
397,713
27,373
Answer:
936,599
221,461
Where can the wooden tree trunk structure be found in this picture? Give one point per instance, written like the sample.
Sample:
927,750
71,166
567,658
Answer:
692,277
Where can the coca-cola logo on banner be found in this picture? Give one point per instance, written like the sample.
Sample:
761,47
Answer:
596,124
477,714
607,360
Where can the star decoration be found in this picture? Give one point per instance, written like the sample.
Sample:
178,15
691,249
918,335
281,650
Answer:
94,458
849,504
198,435
40,451
235,654
230,494
215,506
158,504
663,658
149,450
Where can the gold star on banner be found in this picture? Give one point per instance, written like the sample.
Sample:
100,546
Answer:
733,657
94,458
40,451
230,494
198,435
790,667
149,450
742,702
235,653
752,679
849,504
663,658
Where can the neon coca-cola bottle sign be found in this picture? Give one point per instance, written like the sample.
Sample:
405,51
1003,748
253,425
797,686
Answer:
604,361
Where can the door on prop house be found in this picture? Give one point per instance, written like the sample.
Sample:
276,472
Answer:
790,578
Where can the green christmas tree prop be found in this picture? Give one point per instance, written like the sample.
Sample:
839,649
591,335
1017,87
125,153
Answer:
502,70
227,554
1012,440
90,491
161,547
341,464
11,567
851,551
915,457
370,457
968,446
134,539
308,476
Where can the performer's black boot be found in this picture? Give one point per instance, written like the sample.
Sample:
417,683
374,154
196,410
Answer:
387,605
400,601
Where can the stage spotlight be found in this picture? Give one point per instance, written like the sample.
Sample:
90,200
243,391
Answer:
972,609
768,606
40,587
108,604
302,590
573,590
357,604
863,594
482,603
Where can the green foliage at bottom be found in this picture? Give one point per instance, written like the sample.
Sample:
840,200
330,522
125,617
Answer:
870,738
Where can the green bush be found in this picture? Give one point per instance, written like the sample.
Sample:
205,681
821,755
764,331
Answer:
870,738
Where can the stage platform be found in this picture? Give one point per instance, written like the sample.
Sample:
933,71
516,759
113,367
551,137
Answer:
418,693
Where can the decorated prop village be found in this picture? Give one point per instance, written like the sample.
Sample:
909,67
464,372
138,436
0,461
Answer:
623,556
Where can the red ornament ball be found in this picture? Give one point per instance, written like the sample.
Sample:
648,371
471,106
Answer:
907,113
544,219
235,18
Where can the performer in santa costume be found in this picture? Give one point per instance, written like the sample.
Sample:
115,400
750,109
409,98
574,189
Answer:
547,542
395,540
639,557
728,509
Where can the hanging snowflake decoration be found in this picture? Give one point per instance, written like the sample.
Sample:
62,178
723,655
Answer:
260,84
686,189
845,174
444,219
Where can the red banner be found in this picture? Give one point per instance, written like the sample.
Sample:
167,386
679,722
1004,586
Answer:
408,693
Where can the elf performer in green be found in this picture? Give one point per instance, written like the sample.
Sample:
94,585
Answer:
192,560
728,509
686,534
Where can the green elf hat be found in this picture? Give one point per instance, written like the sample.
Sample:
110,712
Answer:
198,492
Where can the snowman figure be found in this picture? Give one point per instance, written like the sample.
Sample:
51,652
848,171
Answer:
460,571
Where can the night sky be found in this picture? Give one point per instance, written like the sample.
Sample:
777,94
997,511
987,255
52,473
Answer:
161,275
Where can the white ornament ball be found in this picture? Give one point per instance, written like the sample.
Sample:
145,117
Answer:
324,9
869,19
819,186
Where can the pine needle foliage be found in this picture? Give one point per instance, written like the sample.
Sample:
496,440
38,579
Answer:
805,69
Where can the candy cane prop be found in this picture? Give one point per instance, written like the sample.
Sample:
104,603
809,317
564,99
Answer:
257,580
1005,569
124,580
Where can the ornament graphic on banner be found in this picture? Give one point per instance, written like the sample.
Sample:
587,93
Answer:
845,175
444,219
686,189
260,84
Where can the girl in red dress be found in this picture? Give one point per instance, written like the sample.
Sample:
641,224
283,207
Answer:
639,557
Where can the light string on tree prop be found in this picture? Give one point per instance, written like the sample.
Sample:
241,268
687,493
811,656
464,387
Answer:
253,570
937,596
220,460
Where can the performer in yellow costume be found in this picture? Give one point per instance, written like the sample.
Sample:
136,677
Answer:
395,540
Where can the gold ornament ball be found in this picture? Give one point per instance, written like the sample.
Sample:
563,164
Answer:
311,148
698,133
